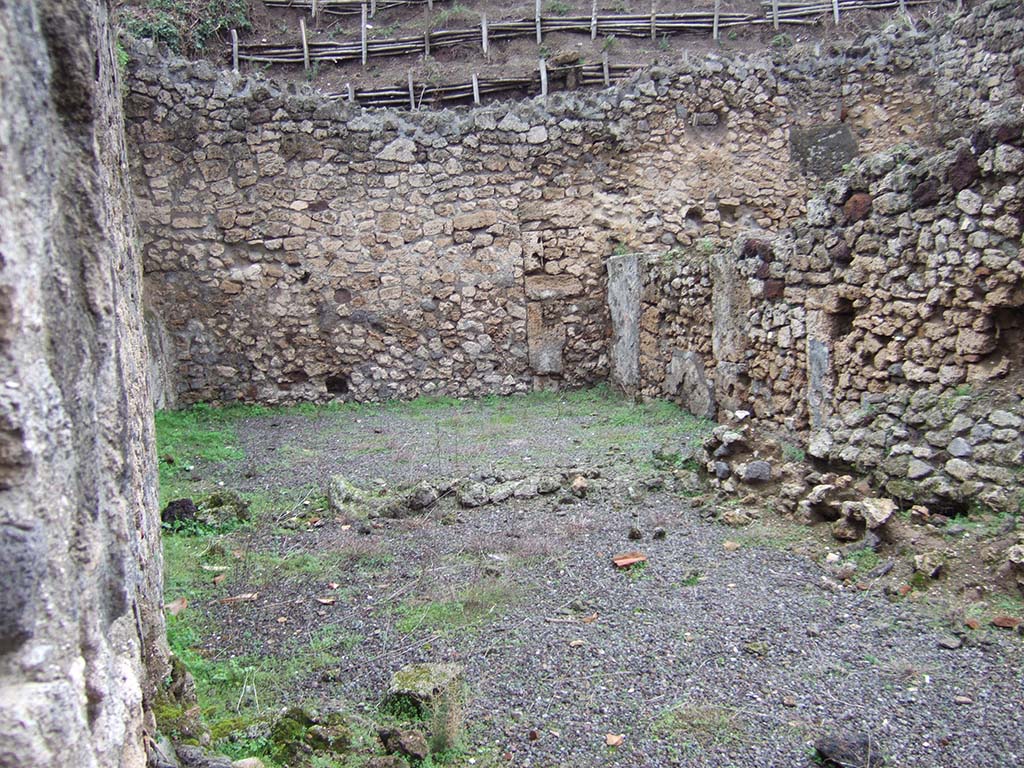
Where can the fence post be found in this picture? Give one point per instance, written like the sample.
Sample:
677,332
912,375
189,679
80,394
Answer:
775,15
351,93
362,33
234,50
714,29
654,21
305,44
593,21
543,78
476,89
835,11
412,93
483,34
315,12
426,42
605,70
536,16
373,8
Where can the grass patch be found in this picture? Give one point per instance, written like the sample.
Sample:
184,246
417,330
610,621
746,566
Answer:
470,608
700,726
865,559
778,535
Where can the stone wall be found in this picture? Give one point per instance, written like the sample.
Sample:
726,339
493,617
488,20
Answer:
80,562
884,324
297,249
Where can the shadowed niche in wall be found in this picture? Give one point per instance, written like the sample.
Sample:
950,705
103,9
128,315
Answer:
337,384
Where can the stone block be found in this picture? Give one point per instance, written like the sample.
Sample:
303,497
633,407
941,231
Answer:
546,287
822,151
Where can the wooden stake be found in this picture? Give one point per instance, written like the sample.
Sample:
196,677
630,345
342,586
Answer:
903,6
835,11
373,8
305,44
315,12
476,89
604,69
426,42
714,28
775,15
483,33
234,50
362,34
351,93
412,93
654,21
543,78
593,21
536,16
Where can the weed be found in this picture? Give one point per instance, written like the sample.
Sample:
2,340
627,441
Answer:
637,571
609,44
962,390
793,453
558,7
706,246
782,40
456,11
123,59
692,579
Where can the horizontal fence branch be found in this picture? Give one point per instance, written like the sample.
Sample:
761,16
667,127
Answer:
341,7
474,90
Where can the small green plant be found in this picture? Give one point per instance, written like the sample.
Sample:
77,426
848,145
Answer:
782,40
663,44
558,7
732,34
962,390
692,579
706,246
637,571
609,44
313,72
793,453
123,59
620,249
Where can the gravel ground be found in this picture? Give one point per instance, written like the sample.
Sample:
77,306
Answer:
709,656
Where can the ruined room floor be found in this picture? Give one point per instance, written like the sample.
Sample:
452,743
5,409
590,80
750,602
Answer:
730,647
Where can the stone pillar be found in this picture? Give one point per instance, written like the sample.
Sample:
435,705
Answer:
624,307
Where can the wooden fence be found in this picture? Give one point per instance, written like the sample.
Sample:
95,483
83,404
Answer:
654,25
413,95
